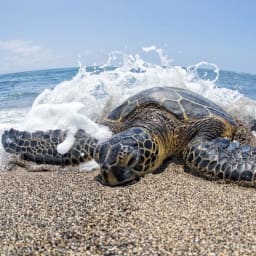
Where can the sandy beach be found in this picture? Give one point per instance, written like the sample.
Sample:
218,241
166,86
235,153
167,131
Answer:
171,213
130,85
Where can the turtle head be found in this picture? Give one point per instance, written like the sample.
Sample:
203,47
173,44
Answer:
117,158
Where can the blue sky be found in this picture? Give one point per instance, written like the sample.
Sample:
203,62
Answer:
51,33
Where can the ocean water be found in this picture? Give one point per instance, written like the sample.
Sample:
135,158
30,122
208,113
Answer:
74,98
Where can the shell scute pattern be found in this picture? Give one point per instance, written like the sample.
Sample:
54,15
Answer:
130,107
193,109
176,108
181,103
162,93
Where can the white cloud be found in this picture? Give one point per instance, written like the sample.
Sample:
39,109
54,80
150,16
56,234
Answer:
21,55
20,47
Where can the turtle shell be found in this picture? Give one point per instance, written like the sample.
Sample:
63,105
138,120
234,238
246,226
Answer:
182,103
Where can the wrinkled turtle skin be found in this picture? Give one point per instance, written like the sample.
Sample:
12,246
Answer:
148,128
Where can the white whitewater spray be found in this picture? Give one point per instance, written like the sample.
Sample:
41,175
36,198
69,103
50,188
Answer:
83,101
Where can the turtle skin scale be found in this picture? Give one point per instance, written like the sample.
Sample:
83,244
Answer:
148,128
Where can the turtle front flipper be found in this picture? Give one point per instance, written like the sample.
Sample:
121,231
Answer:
41,147
222,158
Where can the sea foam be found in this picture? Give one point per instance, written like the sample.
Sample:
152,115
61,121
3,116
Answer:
84,101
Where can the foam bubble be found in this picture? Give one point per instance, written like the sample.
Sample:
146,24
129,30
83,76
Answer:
88,166
204,64
66,145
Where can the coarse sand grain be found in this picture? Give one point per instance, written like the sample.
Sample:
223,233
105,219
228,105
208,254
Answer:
171,213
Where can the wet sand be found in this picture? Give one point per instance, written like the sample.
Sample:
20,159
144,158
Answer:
171,213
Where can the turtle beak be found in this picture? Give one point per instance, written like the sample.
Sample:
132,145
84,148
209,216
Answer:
107,175
115,176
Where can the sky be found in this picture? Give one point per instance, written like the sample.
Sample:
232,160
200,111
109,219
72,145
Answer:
53,33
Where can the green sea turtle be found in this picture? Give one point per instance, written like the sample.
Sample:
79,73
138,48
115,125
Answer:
148,128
